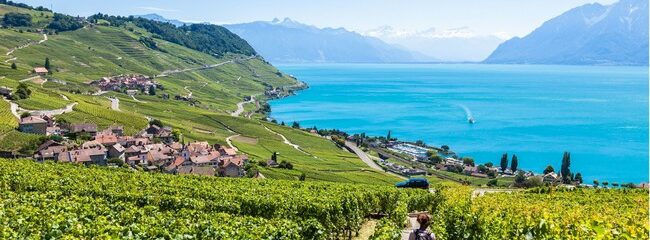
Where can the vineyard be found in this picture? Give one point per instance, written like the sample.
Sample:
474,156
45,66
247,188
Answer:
544,213
58,200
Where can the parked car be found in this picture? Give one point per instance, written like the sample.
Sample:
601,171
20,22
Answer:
414,183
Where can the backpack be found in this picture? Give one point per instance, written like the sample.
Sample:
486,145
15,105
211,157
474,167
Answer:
423,235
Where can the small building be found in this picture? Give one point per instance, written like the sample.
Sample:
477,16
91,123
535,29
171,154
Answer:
115,130
132,92
40,71
550,177
106,139
33,124
116,151
49,150
232,167
84,156
80,128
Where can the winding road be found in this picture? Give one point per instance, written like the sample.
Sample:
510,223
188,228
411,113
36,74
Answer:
229,141
240,107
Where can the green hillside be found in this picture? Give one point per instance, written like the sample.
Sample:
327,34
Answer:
100,50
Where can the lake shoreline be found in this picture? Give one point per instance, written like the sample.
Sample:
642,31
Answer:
337,103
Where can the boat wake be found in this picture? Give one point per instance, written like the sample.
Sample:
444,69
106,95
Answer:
468,114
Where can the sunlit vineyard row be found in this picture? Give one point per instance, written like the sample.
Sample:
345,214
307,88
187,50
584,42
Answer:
111,196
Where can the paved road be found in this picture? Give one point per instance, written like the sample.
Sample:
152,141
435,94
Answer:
366,159
363,156
240,107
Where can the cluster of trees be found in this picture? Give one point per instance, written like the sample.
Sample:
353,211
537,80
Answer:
514,163
22,92
207,38
62,23
565,171
22,5
14,19
149,42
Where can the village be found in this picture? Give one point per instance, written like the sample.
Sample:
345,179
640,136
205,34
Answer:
411,159
154,148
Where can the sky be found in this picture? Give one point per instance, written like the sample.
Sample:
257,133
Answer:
501,17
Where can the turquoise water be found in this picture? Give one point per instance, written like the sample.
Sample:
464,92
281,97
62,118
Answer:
599,114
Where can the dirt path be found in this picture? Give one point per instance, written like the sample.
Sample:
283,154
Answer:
175,71
479,192
412,224
99,93
53,112
135,99
30,79
229,141
64,97
11,52
286,141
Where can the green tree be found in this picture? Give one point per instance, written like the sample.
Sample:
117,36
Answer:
520,180
489,164
565,169
481,168
152,90
504,161
469,161
578,178
13,66
274,157
17,19
595,182
156,122
388,137
445,148
47,63
492,183
302,177
22,91
605,183
295,125
549,169
514,163
615,184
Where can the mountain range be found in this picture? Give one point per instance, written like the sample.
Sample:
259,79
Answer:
592,34
293,42
449,45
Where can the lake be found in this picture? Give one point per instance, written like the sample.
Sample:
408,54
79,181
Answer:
598,113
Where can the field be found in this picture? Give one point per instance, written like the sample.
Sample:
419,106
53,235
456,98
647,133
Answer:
87,54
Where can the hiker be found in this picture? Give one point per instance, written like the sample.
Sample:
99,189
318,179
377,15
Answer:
422,233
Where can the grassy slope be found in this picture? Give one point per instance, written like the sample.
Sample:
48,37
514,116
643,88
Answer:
90,53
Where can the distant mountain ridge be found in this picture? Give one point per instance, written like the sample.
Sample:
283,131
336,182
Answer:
293,42
453,45
592,34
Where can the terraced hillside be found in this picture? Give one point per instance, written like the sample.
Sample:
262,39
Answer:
216,84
